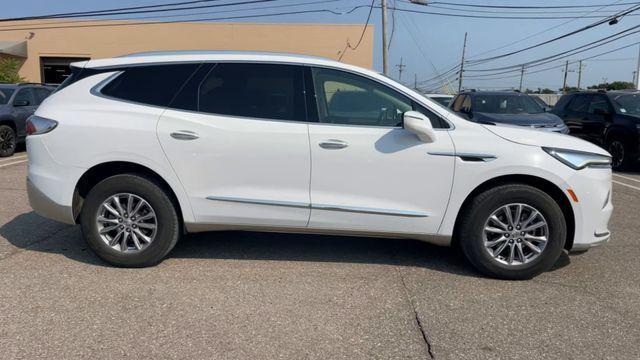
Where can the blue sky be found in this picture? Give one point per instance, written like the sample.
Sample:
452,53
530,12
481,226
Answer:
428,42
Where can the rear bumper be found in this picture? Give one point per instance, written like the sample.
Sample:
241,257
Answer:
46,207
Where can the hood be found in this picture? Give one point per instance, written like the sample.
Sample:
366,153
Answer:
543,119
532,137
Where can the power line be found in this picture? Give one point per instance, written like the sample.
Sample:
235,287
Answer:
526,7
364,29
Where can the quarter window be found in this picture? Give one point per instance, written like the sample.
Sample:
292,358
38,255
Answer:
266,91
154,85
344,98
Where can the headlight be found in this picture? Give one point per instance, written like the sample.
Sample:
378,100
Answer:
578,159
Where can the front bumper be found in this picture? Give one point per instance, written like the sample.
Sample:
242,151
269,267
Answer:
46,207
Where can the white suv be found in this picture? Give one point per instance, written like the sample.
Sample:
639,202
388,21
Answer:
144,148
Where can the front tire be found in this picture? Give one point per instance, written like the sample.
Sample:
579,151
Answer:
621,153
512,232
8,141
129,221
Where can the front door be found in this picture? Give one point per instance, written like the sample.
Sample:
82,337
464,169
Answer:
576,114
240,146
368,173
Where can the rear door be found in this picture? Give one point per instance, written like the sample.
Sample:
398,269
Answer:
237,137
576,114
599,116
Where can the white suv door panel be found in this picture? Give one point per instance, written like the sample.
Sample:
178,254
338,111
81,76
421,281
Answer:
383,180
238,170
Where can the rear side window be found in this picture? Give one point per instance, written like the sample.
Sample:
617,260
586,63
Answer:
579,104
25,95
153,85
41,94
266,91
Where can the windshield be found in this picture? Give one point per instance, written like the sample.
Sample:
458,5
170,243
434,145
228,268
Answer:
5,95
506,104
442,100
628,103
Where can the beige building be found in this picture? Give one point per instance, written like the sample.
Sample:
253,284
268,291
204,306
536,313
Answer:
45,48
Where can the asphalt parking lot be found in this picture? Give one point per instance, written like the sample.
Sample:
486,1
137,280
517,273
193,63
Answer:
236,295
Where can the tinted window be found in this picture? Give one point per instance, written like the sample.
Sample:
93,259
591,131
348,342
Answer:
153,85
41,94
598,102
25,95
349,99
265,91
628,103
579,104
5,95
506,104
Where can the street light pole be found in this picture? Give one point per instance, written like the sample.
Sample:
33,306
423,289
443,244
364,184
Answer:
385,49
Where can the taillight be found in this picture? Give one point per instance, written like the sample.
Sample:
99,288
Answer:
37,125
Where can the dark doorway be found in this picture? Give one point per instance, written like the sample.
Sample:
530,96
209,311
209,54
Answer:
54,70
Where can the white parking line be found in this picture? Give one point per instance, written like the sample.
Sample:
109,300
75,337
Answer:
626,178
13,163
627,185
13,158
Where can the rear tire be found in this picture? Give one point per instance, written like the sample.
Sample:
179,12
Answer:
8,141
129,221
478,230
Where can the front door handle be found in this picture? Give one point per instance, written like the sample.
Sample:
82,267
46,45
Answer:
333,144
184,135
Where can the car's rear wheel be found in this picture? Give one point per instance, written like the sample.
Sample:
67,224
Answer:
129,221
512,232
7,141
620,153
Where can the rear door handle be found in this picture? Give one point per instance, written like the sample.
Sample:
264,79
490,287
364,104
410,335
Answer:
333,144
184,135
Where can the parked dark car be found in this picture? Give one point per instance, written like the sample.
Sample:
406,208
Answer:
506,107
17,103
542,103
610,119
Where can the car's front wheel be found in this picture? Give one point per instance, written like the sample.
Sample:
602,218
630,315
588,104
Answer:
513,232
620,152
7,141
128,220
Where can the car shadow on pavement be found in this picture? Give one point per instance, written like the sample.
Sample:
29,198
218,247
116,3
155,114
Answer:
34,233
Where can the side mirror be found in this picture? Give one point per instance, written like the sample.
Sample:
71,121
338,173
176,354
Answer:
19,103
420,125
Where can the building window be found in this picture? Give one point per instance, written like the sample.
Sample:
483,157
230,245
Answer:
54,70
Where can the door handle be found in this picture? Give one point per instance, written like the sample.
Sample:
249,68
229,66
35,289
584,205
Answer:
184,135
333,144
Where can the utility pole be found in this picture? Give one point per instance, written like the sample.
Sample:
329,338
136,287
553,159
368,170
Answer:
385,49
464,49
566,72
579,73
521,77
401,67
638,70
415,81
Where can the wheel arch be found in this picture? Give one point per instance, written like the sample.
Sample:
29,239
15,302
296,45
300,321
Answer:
104,170
10,123
537,182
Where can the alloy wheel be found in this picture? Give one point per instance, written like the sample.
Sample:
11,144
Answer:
515,234
616,149
7,139
127,223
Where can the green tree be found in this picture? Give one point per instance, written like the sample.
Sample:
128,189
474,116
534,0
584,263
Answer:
9,71
616,85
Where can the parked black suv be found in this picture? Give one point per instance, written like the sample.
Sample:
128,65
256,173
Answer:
17,103
610,119
506,107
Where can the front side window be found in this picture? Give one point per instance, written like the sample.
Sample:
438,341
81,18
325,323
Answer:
267,91
599,104
348,99
153,85
24,95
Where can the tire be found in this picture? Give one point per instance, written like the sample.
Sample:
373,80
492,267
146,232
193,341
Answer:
8,141
471,232
621,152
159,211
